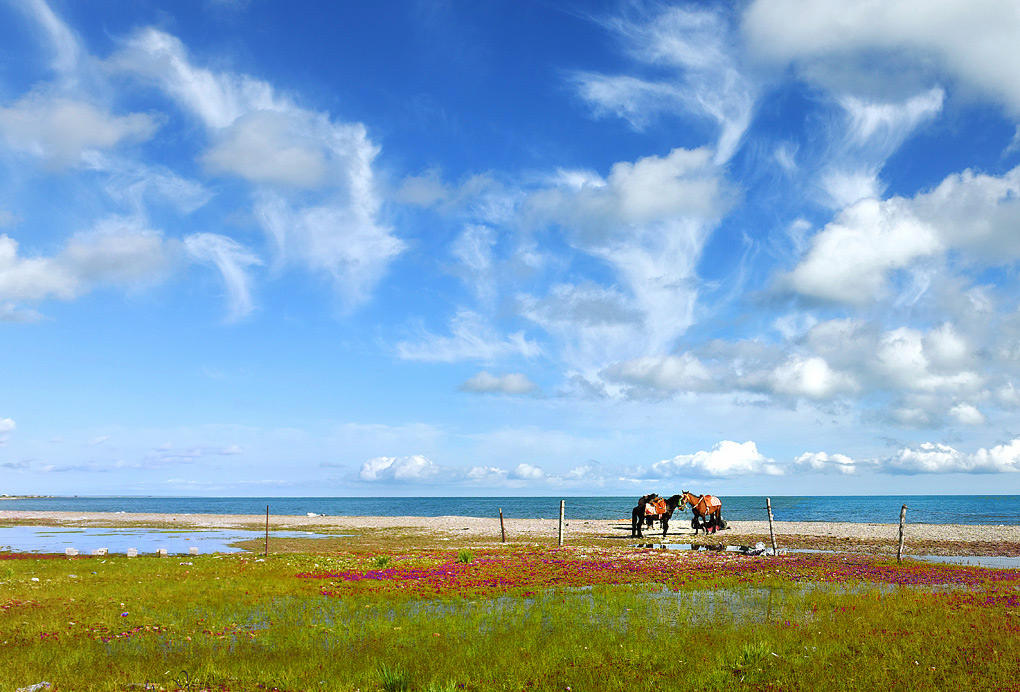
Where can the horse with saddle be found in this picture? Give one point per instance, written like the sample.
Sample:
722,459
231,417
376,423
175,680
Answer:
706,511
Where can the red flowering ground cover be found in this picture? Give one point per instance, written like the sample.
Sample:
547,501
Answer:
521,572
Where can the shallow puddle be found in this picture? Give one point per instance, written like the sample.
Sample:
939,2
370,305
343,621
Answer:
55,539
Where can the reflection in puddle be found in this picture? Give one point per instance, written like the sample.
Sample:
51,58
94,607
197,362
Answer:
993,561
55,539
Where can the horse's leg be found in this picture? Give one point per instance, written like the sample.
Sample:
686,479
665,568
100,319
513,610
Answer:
665,526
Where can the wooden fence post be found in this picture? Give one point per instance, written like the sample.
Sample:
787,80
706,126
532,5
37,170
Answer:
502,529
899,549
267,530
772,532
560,534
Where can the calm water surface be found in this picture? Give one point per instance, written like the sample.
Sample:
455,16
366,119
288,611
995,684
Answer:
926,509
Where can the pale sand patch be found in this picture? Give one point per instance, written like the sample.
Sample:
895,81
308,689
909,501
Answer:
488,528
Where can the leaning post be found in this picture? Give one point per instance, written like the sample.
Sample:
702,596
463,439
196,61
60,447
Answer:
899,549
772,532
267,530
559,540
502,529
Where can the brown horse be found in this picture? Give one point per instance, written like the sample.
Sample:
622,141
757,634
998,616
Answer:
649,508
707,510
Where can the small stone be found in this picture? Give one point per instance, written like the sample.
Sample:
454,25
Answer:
132,552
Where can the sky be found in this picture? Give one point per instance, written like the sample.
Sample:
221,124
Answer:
513,247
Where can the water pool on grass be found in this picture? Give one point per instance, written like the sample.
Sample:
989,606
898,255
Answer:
55,539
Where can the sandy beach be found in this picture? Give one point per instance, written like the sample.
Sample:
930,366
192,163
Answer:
485,529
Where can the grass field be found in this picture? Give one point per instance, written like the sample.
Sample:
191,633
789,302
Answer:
513,618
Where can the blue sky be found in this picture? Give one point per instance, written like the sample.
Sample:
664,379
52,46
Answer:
455,248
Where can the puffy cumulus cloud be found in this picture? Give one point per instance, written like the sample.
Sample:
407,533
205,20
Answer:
527,472
471,338
408,469
966,414
315,190
903,356
487,474
232,261
850,259
682,372
726,458
118,251
602,212
510,383
268,147
821,461
932,457
810,377
974,44
59,129
705,80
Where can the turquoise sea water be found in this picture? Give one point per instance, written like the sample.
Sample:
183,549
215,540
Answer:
926,509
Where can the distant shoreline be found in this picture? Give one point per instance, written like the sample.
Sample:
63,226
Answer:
485,528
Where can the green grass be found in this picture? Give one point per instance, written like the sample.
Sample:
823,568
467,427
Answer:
506,619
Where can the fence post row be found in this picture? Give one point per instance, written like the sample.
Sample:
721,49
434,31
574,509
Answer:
772,533
267,530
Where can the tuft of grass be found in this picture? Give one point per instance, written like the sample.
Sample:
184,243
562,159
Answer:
465,556
394,679
381,561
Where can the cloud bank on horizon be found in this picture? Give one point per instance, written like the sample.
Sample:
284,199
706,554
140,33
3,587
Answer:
488,250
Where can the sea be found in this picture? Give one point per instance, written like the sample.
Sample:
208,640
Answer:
883,509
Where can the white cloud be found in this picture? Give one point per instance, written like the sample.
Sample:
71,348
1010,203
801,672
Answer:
7,426
10,312
648,221
279,147
849,259
340,241
706,80
231,259
59,129
668,373
939,458
473,250
726,458
471,338
976,44
810,377
486,474
527,472
268,147
118,251
409,469
967,414
217,99
66,51
871,132
821,461
511,383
